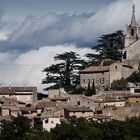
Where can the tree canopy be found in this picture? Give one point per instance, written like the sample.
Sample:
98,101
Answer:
73,129
64,73
109,46
119,84
134,78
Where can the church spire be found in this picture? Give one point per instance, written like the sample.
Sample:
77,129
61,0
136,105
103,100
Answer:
133,19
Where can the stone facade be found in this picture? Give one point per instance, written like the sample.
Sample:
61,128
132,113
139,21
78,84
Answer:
131,52
24,94
120,70
103,76
78,112
99,74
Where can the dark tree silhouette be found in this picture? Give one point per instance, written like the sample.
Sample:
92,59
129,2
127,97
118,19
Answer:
109,46
65,73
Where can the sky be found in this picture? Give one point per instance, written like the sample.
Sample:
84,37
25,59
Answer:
32,32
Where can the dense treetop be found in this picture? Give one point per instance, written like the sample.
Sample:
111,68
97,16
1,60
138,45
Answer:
73,129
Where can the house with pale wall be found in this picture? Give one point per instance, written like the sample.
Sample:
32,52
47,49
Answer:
77,112
24,94
113,101
50,123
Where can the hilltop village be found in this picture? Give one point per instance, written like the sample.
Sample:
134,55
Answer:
104,106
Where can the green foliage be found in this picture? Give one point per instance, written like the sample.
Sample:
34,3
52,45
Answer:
40,136
19,128
22,126
113,130
121,84
73,129
76,129
7,131
90,90
81,129
64,74
93,88
109,46
16,129
41,96
134,78
132,128
78,90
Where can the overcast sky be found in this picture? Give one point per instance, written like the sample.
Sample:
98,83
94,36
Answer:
32,32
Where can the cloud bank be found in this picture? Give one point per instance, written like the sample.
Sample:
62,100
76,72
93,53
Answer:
79,29
26,69
25,51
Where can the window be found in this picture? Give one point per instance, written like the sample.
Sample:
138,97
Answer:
102,80
137,90
132,32
46,121
124,55
84,81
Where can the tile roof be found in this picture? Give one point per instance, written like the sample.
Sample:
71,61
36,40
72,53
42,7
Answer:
95,69
11,107
78,109
14,90
11,99
27,109
59,98
42,104
133,96
101,116
7,118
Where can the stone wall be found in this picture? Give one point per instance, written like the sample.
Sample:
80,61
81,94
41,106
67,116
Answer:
84,101
132,50
101,79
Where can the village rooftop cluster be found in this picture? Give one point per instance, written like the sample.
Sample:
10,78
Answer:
104,106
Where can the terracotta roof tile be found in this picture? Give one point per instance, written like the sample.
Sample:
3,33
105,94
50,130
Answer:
13,90
78,109
43,104
95,69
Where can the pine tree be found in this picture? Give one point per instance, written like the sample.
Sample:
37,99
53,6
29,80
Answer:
109,46
65,73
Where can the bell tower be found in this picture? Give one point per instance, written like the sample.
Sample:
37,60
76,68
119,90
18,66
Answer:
132,34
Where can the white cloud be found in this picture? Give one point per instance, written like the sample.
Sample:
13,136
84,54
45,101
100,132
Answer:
27,69
80,29
77,28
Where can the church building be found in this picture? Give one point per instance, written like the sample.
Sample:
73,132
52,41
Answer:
103,76
131,52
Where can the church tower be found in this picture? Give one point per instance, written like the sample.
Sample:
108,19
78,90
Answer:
133,32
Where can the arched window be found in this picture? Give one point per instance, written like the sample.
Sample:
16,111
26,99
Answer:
124,55
132,32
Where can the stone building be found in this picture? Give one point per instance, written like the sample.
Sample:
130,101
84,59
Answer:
103,76
78,112
131,52
24,94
